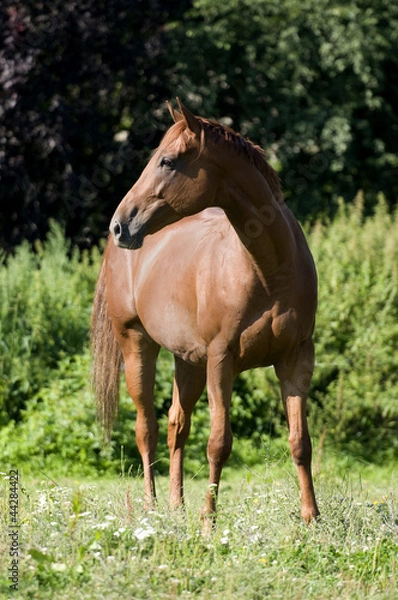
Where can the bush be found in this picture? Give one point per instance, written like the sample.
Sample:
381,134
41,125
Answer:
355,386
45,305
57,430
47,407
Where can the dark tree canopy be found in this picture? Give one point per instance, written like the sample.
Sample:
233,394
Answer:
84,86
82,83
315,83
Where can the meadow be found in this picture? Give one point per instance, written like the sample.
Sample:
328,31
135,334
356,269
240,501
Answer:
93,539
83,530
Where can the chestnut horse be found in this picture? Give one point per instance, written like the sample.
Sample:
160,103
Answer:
206,260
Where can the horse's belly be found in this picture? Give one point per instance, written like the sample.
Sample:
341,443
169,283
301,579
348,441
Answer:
174,328
192,336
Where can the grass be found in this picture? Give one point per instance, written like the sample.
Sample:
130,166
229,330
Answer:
93,539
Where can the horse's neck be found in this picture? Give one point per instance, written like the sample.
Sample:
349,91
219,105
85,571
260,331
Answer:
259,221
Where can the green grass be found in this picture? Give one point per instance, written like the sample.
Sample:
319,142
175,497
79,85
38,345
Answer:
92,540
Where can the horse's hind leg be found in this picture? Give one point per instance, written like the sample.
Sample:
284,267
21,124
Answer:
189,383
140,354
295,379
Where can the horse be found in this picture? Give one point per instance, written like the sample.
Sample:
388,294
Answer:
205,259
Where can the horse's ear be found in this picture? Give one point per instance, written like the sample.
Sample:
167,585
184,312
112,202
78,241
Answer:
176,116
190,119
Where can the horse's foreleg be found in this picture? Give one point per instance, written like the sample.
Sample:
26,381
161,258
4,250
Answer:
295,382
219,388
140,365
189,383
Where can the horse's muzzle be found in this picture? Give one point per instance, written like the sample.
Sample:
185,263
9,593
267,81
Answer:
123,237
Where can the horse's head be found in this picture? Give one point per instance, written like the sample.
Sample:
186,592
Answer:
178,181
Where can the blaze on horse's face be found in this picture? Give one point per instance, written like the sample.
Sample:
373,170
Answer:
178,181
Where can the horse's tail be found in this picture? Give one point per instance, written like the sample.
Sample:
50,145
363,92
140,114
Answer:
107,358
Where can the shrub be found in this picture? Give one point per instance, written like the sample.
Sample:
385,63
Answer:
355,386
47,407
57,428
45,304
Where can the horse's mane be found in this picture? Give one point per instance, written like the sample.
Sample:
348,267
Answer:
221,135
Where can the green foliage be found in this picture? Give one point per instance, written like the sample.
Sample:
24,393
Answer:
57,431
48,407
313,82
82,84
356,376
45,305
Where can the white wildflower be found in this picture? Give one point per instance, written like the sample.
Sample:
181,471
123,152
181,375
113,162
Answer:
224,540
141,533
119,531
95,546
101,526
60,567
42,503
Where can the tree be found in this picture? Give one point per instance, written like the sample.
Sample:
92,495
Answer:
82,88
314,82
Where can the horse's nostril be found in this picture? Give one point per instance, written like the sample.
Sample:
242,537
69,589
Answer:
117,229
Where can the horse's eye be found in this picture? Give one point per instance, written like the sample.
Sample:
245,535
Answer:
167,162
